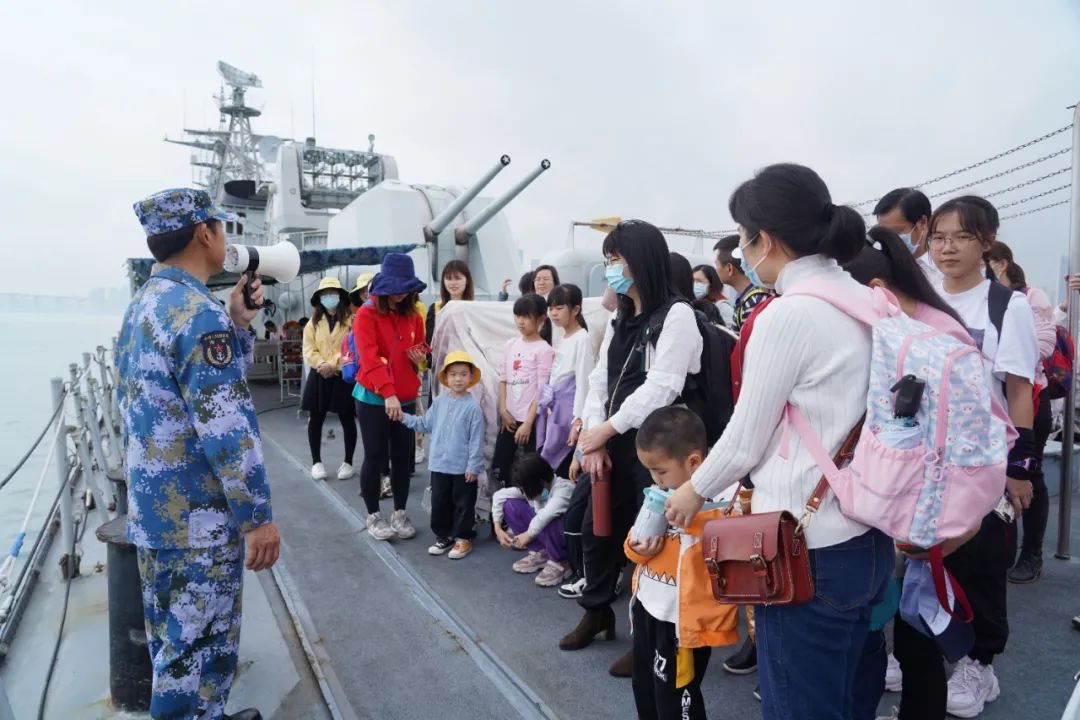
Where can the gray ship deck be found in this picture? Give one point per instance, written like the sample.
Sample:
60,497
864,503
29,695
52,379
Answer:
406,635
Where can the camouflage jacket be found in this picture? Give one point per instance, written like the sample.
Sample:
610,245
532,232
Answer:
194,457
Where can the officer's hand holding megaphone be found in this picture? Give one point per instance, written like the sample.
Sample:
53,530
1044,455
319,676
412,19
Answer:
280,261
238,308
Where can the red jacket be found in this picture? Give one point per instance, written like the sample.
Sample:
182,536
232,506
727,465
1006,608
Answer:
382,344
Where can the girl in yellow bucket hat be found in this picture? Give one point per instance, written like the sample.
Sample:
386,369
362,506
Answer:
324,390
456,425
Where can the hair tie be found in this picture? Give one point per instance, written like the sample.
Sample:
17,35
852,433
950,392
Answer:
827,213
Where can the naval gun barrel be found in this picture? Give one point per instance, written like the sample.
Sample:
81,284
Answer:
470,228
440,221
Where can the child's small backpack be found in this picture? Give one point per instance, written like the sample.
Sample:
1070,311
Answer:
348,351
1058,367
947,483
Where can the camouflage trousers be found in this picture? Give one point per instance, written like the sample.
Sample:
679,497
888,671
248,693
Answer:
191,602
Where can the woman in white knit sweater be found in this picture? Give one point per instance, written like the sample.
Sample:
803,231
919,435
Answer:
811,355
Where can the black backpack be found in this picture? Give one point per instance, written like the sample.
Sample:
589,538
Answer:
708,392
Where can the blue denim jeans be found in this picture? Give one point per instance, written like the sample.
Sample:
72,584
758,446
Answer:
808,654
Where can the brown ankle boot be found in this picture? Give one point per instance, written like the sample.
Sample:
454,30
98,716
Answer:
624,666
592,624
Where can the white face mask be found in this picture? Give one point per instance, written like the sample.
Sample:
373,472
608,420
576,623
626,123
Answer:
700,290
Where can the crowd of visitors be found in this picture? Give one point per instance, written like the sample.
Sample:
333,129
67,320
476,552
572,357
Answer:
592,449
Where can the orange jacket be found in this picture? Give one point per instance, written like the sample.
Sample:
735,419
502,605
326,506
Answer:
701,620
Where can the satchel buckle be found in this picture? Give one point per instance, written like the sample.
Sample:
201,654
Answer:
761,569
712,566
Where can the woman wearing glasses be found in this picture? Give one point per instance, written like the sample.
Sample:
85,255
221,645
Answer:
1000,320
806,353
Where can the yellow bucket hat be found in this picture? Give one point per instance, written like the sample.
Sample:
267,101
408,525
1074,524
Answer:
362,281
459,356
329,283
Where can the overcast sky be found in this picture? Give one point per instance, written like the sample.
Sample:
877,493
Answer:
651,110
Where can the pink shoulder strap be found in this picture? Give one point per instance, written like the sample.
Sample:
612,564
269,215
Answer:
842,297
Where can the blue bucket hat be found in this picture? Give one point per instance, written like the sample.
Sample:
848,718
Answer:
176,209
396,276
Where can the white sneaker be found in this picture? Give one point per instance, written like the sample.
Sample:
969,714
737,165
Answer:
345,471
894,679
402,525
971,686
318,471
378,528
385,489
421,455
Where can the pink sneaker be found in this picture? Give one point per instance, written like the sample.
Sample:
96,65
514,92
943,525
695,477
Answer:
532,562
552,574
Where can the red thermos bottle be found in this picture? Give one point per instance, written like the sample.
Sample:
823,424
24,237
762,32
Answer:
601,505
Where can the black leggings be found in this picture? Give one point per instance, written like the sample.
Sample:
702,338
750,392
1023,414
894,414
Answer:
314,434
573,520
1036,514
383,440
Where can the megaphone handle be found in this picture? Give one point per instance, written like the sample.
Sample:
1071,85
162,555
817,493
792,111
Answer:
248,302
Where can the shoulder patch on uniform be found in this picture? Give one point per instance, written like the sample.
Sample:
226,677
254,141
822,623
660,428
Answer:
217,348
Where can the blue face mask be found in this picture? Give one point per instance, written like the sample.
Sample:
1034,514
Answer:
906,237
545,494
330,302
751,272
616,280
700,290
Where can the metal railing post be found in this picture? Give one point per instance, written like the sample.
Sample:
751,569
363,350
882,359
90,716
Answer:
1065,492
69,565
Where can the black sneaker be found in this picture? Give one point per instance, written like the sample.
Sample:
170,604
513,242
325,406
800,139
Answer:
744,661
757,693
1076,622
440,546
1027,569
572,589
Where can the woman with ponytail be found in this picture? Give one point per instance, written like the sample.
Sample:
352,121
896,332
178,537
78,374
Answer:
792,235
1003,268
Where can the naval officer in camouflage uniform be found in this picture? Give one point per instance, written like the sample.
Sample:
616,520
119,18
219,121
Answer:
197,490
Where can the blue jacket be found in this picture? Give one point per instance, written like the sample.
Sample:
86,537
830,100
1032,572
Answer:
456,426
194,457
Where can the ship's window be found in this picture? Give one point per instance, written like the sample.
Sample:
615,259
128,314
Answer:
239,228
229,226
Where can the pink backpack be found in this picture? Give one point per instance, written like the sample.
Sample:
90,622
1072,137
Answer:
944,486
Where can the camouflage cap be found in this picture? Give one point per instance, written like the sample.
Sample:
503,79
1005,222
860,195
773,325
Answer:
176,209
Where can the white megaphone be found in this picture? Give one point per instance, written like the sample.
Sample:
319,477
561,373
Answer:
281,262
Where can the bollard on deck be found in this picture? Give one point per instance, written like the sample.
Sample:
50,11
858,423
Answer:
130,670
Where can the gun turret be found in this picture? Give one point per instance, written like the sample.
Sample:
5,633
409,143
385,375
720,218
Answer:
440,221
466,231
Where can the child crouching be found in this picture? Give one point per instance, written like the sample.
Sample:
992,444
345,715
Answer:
674,617
532,511
456,425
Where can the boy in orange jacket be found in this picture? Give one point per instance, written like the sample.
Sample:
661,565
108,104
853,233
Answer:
674,617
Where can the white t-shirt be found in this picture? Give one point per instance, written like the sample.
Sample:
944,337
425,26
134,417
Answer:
1016,352
574,357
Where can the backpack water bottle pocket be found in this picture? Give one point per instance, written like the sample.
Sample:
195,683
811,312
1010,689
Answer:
882,485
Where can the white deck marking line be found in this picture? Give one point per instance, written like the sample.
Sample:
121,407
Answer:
520,696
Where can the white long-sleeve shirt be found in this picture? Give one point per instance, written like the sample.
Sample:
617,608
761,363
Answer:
574,357
805,352
676,355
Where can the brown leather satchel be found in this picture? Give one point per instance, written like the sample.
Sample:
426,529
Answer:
763,559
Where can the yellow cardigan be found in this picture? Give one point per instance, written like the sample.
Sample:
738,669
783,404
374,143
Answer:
321,345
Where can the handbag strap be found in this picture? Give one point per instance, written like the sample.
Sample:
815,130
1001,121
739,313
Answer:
842,458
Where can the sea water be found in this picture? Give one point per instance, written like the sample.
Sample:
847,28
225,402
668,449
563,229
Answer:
37,347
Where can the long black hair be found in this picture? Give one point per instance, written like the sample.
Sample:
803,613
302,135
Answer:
792,203
682,276
716,288
643,247
456,267
568,295
889,260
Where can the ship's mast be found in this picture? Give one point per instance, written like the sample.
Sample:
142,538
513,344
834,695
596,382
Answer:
232,151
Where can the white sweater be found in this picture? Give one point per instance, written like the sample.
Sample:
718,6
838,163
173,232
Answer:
806,352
